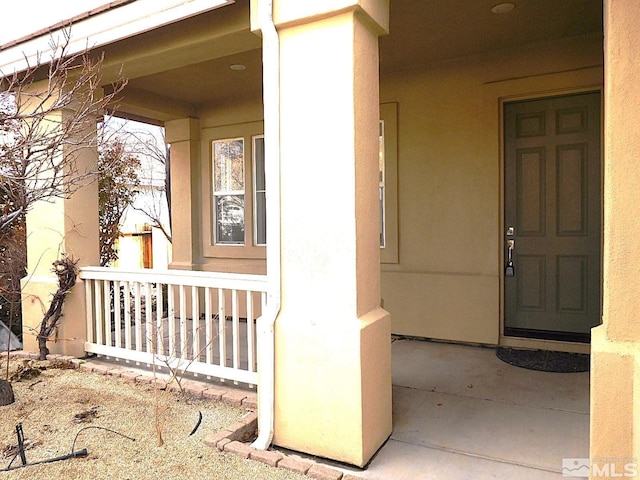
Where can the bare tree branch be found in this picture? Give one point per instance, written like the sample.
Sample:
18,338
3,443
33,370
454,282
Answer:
154,156
45,126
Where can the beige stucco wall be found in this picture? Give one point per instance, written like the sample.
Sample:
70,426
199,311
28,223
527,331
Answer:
615,359
447,284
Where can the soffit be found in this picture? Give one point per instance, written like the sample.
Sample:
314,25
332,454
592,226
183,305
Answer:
424,32
192,63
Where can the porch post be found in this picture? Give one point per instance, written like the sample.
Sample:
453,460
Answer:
332,339
615,345
64,226
184,137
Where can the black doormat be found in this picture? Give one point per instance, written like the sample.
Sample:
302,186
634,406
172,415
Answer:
544,360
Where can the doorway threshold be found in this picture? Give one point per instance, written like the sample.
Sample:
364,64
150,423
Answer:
544,344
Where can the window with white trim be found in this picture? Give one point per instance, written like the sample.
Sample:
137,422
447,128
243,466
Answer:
228,191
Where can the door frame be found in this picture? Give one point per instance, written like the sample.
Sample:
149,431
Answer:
522,342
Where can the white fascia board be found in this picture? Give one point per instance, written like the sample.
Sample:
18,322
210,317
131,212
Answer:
104,28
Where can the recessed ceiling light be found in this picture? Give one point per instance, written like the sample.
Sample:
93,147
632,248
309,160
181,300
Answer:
238,67
503,7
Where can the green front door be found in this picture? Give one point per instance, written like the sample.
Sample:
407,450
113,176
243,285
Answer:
553,217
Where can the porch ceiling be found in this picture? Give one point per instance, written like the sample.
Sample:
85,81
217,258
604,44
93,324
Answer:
424,32
193,71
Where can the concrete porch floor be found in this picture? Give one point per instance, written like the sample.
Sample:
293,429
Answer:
459,413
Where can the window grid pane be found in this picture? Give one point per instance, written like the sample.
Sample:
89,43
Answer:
261,219
230,219
260,207
228,162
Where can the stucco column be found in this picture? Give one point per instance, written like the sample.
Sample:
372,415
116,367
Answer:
615,345
61,227
184,137
333,352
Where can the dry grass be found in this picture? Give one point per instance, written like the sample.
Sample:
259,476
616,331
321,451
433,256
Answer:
48,404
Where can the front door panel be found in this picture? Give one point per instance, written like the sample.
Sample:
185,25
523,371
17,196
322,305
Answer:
553,206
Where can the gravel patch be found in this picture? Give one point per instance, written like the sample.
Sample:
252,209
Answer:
56,407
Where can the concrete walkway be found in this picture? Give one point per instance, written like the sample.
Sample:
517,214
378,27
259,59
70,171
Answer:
460,413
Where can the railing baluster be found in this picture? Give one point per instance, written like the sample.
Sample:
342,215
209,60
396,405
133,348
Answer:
251,334
117,314
138,316
183,325
107,312
148,317
159,323
207,324
171,319
195,323
99,311
91,309
127,315
236,329
222,320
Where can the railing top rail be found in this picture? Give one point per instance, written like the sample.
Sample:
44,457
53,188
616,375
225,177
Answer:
255,283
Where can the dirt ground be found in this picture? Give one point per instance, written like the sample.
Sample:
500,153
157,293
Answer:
65,410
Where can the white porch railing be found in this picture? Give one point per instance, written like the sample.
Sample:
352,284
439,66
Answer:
201,322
